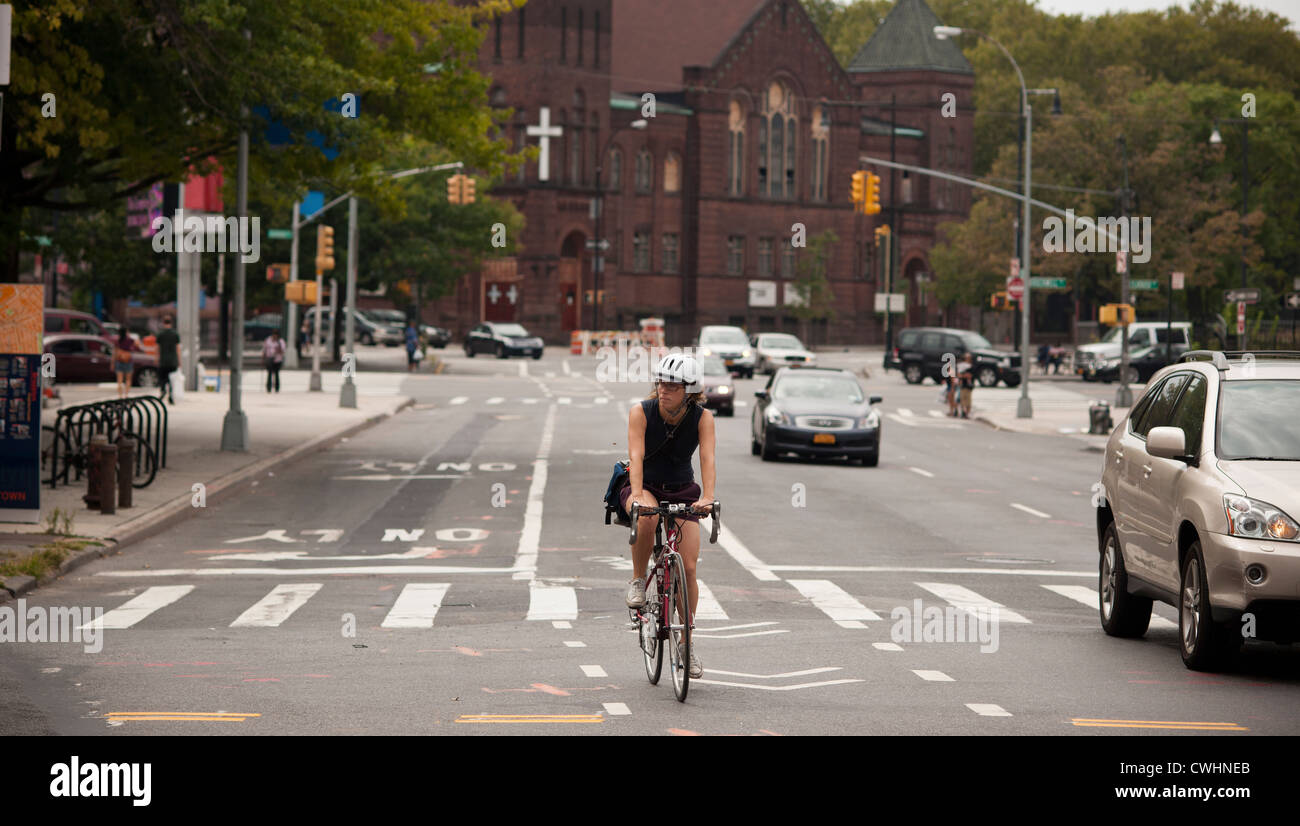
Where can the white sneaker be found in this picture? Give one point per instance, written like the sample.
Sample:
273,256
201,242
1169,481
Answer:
636,593
697,667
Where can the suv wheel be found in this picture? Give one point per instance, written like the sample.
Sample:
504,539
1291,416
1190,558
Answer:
1122,614
501,350
767,453
1205,645
367,339
913,374
469,350
987,376
1133,376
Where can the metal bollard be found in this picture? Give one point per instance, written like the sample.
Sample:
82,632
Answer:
1099,420
125,470
101,475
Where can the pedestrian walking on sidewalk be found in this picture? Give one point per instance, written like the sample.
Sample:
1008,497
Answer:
123,366
169,359
412,347
273,359
966,379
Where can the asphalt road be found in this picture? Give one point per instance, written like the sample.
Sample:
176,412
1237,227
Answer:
449,570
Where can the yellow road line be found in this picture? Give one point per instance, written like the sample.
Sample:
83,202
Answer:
530,718
1161,722
180,716
1165,726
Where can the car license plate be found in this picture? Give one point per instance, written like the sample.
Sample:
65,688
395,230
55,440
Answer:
824,438
730,362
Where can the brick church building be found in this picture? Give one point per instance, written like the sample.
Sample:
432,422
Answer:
755,127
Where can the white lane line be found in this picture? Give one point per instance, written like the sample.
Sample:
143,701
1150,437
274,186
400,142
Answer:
885,569
971,602
342,570
783,676
137,608
709,608
1086,596
887,646
564,365
905,411
738,627
459,400
1030,511
616,709
927,474
416,606
561,624
835,602
988,710
529,401
277,606
604,400
593,671
738,636
551,602
575,644
496,400
742,404
564,400
737,551
937,414
933,676
530,539
523,369
550,374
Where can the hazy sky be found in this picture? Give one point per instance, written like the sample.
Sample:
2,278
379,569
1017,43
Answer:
1290,9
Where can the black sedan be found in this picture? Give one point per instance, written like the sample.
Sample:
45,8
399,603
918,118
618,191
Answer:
816,412
1143,363
503,339
719,392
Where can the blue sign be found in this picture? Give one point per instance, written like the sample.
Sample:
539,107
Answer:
312,204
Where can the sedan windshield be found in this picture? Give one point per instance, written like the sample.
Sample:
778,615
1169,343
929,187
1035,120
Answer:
1257,420
512,330
829,388
724,337
780,342
715,367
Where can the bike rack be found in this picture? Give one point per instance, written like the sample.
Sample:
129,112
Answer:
145,416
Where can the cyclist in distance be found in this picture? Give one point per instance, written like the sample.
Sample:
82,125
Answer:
663,433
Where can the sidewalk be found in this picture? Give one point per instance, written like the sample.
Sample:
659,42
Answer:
281,427
1059,409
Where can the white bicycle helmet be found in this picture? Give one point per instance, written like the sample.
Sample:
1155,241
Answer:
678,367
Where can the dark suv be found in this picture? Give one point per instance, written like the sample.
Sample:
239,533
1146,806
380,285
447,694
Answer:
920,352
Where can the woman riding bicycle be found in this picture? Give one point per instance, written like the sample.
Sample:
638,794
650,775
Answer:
672,423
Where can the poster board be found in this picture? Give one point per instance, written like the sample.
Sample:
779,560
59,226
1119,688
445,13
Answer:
22,316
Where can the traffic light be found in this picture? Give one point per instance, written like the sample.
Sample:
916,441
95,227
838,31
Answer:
882,231
466,189
1117,315
1000,301
453,189
859,190
872,204
300,292
277,273
324,248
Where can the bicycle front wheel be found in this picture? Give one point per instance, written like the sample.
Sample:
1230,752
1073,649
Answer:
679,628
648,630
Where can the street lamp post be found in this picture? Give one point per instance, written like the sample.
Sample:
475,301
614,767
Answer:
1025,407
598,259
1215,140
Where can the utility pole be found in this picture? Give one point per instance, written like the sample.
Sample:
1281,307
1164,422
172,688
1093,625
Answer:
348,393
234,429
291,331
1124,395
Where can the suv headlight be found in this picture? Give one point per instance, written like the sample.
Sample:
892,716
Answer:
746,353
705,351
1258,520
870,421
775,416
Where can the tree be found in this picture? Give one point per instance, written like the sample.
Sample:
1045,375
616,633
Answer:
816,298
148,90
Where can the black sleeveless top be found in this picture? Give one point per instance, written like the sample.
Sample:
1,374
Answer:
672,462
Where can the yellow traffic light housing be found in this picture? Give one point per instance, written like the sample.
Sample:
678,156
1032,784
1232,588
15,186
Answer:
453,189
300,292
858,190
466,189
872,204
1117,315
882,231
324,247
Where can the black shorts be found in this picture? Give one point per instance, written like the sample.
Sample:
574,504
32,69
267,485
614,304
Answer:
682,494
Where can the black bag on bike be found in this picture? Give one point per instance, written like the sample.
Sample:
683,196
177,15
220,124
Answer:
619,478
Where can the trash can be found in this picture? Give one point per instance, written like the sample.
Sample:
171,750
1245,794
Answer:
1099,421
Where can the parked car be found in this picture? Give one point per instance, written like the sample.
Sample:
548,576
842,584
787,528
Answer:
79,358
920,351
719,392
1088,358
436,336
73,321
1142,364
113,330
815,411
729,344
773,350
1198,506
365,330
505,339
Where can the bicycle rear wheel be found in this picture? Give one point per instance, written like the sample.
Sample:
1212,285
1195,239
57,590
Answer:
648,631
58,471
679,628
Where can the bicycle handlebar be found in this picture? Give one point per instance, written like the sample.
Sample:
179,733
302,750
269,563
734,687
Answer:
674,509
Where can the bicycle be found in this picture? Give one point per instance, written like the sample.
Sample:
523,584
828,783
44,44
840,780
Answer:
666,615
77,457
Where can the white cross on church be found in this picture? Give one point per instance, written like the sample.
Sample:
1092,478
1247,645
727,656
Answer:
494,293
545,132
512,294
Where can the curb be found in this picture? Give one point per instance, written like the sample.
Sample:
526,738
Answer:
163,516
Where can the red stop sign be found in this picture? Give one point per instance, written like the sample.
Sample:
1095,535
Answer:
1016,288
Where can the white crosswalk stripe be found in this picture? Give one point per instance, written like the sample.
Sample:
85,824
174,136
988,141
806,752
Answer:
835,602
551,602
971,602
709,608
277,606
495,400
1086,596
416,606
459,400
137,608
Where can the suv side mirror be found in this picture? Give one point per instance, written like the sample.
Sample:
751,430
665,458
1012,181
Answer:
1167,442
875,400
760,394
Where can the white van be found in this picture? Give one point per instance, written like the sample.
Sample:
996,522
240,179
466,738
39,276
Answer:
1089,357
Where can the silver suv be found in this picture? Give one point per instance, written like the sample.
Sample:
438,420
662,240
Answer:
1198,504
